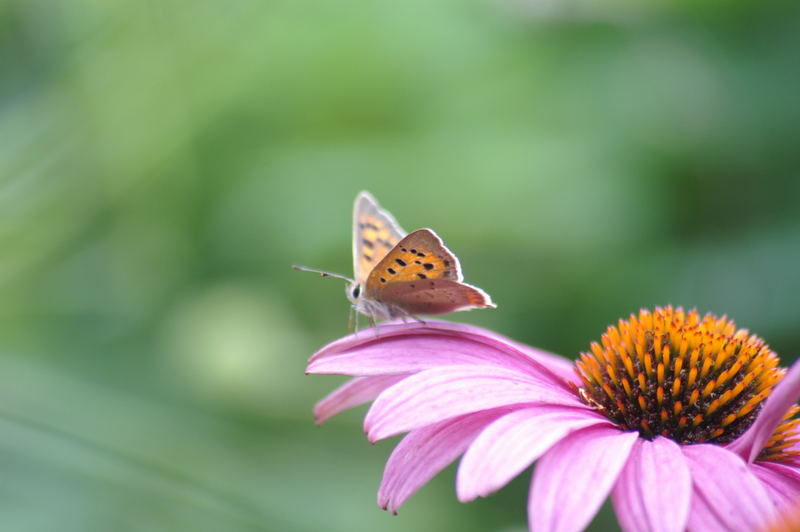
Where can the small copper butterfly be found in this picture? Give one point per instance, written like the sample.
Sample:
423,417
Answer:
399,275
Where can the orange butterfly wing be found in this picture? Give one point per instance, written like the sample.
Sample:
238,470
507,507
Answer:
375,233
420,255
421,276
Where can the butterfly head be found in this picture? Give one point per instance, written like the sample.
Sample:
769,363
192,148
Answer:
376,310
354,292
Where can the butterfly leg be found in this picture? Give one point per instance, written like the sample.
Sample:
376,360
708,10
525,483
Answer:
405,315
405,318
373,324
417,319
354,319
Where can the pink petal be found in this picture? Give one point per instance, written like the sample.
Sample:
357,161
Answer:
783,396
726,494
426,451
354,392
560,366
653,491
573,478
510,444
781,482
441,393
408,348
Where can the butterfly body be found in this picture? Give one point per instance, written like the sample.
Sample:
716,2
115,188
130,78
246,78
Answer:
399,274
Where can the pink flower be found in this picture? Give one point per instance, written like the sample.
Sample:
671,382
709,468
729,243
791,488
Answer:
678,417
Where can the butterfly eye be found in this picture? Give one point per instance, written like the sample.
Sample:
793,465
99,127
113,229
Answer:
356,291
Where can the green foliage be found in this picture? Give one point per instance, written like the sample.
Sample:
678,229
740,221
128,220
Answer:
163,163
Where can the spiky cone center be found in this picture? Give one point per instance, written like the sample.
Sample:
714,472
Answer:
674,373
782,444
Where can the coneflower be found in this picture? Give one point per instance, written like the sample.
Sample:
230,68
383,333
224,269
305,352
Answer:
685,420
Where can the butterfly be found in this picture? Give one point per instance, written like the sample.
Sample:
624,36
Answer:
399,275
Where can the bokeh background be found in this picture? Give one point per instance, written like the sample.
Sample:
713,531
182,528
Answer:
162,163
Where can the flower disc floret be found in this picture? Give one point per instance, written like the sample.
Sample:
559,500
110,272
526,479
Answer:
676,374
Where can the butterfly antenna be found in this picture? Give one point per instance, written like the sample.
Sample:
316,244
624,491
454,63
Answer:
322,273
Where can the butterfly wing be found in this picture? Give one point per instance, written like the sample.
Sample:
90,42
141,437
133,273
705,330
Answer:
437,296
375,233
419,255
420,275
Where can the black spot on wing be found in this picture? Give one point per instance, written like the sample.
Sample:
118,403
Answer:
422,276
401,262
368,243
428,266
391,270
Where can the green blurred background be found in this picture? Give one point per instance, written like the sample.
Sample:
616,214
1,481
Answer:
162,163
